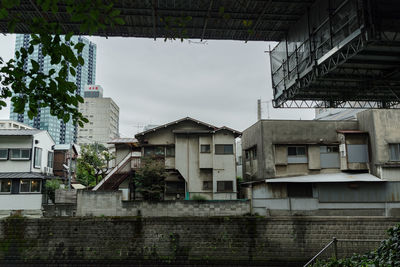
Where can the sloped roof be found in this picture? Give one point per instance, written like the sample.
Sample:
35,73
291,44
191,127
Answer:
19,132
211,127
123,141
21,175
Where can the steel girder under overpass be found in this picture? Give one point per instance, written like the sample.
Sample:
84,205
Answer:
246,20
348,59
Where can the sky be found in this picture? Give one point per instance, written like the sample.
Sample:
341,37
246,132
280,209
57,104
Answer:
156,82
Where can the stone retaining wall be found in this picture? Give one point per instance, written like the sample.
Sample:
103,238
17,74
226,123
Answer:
286,241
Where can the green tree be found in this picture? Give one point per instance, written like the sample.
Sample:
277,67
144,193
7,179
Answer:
149,179
92,165
51,89
51,187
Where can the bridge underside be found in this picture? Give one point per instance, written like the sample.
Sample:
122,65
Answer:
255,20
350,60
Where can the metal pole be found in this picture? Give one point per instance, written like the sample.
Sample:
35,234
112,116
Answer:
258,109
335,248
69,172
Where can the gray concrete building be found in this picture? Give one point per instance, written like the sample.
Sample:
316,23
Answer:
324,167
103,115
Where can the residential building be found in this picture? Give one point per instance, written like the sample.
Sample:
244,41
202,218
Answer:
65,156
324,167
199,158
26,161
62,133
103,115
10,124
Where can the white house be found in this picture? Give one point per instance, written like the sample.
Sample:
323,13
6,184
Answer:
26,160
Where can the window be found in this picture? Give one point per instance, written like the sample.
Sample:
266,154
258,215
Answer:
170,152
5,186
299,190
20,154
50,159
205,148
30,186
394,152
296,154
207,185
223,149
38,157
296,151
225,186
152,151
3,154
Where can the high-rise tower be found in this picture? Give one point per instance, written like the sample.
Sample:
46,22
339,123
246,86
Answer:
62,133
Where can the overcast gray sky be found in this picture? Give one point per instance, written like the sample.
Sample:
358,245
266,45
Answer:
155,82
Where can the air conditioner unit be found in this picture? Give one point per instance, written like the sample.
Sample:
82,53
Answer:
48,170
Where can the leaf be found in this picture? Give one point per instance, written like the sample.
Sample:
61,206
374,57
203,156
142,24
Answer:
3,13
119,21
35,66
68,36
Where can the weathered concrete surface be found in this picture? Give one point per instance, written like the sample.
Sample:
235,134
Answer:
285,241
109,203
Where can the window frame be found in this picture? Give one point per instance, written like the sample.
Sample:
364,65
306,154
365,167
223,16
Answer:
297,151
394,145
2,181
30,186
48,159
217,152
224,190
168,149
7,153
205,146
20,154
37,155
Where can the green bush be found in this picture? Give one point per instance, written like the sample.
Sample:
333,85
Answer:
387,254
51,187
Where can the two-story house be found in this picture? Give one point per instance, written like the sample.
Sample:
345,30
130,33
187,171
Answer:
324,167
199,158
26,160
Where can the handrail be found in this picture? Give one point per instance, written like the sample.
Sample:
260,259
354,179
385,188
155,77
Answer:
116,168
334,241
335,248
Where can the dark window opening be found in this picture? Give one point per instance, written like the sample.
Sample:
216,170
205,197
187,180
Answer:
301,190
225,186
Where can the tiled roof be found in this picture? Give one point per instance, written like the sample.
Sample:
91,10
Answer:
21,175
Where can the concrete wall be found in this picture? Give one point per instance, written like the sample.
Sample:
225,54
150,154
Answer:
10,202
100,203
219,241
384,128
329,199
266,134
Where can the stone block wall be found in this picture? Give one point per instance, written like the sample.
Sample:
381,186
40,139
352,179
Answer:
109,203
286,241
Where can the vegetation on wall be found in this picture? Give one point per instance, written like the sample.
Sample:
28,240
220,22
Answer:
387,254
51,187
149,179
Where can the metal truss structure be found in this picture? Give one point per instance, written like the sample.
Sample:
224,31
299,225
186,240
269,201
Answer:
246,20
361,71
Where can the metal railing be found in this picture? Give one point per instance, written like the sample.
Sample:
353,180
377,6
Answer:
334,245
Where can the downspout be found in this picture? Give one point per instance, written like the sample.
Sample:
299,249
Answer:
262,153
187,171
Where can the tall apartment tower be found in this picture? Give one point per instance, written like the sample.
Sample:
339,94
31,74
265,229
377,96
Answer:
103,116
62,133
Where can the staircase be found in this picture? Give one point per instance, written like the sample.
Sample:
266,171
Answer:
114,177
